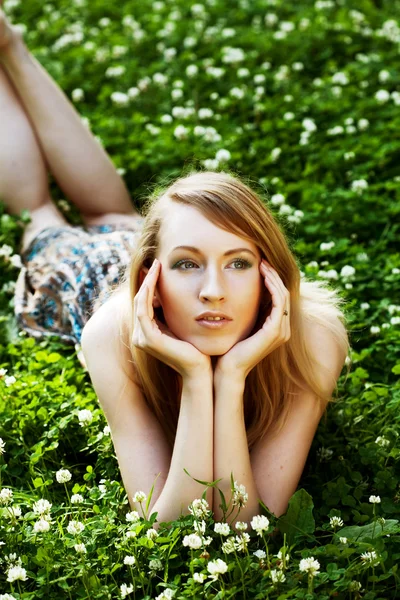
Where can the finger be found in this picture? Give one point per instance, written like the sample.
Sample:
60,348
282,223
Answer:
278,304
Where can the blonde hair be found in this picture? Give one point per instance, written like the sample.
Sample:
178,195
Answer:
233,206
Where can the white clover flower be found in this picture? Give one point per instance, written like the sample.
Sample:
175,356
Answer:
193,540
41,526
359,185
223,155
167,594
240,495
125,590
309,125
395,320
343,540
260,554
309,565
205,113
286,26
133,92
222,528
241,525
84,417
340,78
76,499
216,567
229,546
75,527
277,576
236,92
243,72
116,71
13,512
2,373
155,564
9,380
181,132
331,274
382,441
16,573
362,124
80,548
335,522
232,55
275,153
242,541
42,506
78,94
200,527
338,129
374,499
199,508
192,70
375,329
370,557
199,577
7,597
277,199
120,99
139,497
354,586
280,557
63,475
347,271
2,443
382,96
129,560
151,534
6,496
132,516
259,523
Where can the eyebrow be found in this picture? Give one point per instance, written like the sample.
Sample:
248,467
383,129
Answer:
228,253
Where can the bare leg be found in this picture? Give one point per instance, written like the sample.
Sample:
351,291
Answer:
23,173
79,164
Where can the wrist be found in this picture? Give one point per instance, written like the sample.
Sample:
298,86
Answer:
199,377
234,379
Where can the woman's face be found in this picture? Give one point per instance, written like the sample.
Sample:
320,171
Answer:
192,282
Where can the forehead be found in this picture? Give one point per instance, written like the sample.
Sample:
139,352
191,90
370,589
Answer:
186,226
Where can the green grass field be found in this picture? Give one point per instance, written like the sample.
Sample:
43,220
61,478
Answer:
303,100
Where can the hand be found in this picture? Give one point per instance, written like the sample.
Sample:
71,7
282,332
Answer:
152,336
245,355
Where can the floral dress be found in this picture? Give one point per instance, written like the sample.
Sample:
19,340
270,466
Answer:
67,273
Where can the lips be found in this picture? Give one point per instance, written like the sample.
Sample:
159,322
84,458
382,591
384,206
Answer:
221,315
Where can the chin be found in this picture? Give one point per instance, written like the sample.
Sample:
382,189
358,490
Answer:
213,347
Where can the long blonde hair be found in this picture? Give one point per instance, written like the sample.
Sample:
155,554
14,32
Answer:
233,206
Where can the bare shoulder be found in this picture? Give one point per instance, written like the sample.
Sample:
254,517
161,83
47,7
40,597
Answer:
326,343
111,325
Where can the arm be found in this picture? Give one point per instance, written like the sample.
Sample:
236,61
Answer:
193,450
273,469
139,441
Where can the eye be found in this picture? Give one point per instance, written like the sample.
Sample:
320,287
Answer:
245,263
183,262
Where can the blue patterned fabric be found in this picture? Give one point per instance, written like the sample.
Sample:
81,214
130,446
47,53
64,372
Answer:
68,272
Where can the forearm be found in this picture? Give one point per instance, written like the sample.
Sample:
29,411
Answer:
193,450
71,151
231,451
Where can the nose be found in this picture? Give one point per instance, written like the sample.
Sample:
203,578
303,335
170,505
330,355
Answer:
212,288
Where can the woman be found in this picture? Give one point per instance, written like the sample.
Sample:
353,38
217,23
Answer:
194,399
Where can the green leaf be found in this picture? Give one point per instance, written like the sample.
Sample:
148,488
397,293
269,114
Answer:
298,520
370,531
